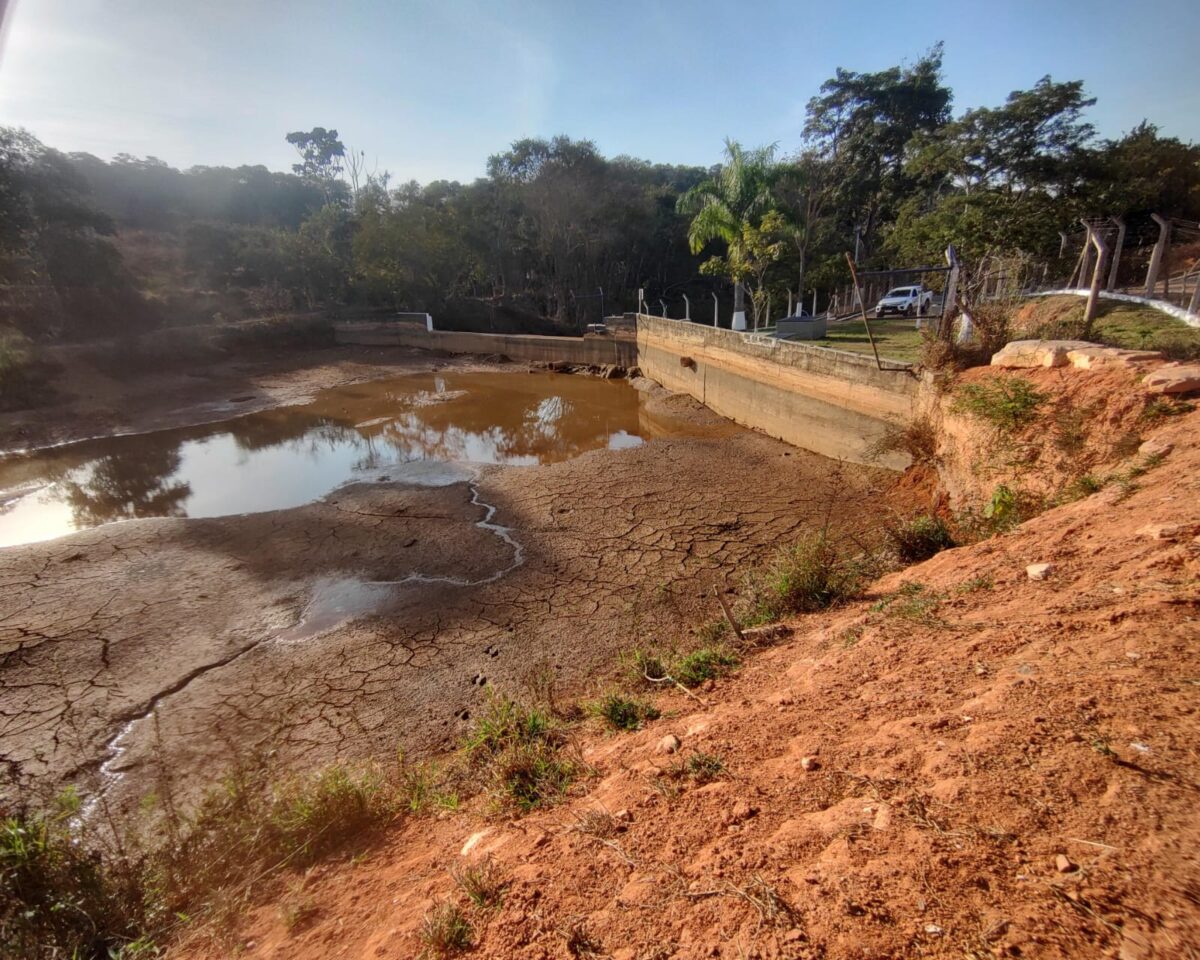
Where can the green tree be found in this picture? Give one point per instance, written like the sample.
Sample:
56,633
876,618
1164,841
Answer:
862,124
727,207
321,158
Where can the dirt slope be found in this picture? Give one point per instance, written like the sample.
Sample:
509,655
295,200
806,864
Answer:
966,763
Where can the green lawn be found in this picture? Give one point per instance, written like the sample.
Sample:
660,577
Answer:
1117,324
896,337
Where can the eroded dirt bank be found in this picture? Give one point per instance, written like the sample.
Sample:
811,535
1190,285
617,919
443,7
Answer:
967,762
167,647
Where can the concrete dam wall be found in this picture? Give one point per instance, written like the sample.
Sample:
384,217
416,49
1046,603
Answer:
595,351
835,403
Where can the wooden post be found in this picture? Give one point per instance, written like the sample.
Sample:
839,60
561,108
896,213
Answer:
1160,248
1116,254
863,310
948,298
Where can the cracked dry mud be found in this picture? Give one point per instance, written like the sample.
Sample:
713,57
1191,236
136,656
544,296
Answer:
167,647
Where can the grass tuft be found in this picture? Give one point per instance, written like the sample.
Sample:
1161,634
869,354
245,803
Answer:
811,575
919,538
624,713
707,663
483,883
445,931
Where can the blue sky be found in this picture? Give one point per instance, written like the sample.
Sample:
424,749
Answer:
429,88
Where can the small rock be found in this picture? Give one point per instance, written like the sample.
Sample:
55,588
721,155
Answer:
739,812
623,815
883,817
809,763
1155,448
1133,946
669,744
1038,571
1063,865
1167,531
933,929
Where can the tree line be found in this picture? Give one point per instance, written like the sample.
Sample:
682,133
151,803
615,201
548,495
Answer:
884,168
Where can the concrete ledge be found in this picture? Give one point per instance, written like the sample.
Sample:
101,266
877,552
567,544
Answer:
595,351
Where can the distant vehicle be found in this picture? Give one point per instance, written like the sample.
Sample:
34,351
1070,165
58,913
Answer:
909,301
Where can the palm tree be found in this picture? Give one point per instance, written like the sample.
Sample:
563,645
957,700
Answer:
723,206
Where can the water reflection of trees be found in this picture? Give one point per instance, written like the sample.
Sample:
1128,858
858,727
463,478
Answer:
125,487
132,477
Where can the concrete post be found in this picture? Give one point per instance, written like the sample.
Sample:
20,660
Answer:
687,308
1116,253
1062,246
663,304
814,309
1194,303
789,313
716,310
1160,248
739,307
1085,263
429,323
1093,300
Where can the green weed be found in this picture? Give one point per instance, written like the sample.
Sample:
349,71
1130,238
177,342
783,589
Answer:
1006,403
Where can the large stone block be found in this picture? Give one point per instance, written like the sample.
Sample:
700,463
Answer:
1037,353
1174,378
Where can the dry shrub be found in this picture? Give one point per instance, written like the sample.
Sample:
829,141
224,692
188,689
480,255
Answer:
917,439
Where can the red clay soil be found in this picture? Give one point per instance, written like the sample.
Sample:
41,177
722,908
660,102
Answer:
966,763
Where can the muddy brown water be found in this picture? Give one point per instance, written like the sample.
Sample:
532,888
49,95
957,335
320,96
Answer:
418,429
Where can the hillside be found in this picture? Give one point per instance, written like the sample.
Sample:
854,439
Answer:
964,762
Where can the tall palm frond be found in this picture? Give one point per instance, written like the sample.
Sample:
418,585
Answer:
736,196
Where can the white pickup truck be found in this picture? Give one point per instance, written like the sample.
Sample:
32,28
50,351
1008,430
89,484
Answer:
909,301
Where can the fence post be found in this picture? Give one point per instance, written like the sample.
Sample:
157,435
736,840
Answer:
687,308
1160,248
789,313
1085,264
1093,300
1116,254
663,304
716,311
